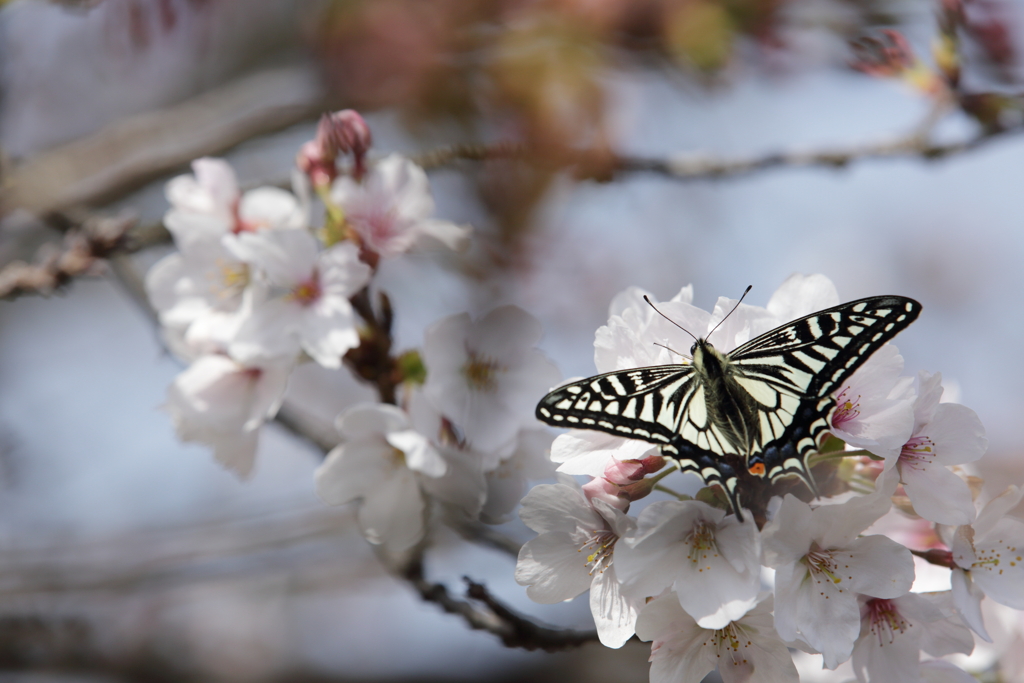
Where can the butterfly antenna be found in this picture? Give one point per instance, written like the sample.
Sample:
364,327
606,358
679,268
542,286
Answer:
742,297
648,300
671,350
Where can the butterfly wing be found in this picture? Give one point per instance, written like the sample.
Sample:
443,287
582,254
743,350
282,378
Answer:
663,405
793,371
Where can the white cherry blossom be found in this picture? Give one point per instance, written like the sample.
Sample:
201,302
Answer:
989,555
943,434
822,566
747,650
873,409
575,551
710,560
308,307
222,403
382,464
486,375
392,208
895,631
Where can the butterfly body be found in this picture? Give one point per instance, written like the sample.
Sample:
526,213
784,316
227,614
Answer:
763,405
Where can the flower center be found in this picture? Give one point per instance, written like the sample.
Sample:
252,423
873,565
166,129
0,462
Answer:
917,453
701,540
307,293
599,548
480,372
822,563
846,408
885,620
990,558
234,277
730,644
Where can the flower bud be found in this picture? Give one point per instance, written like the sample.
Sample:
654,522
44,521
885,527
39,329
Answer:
624,472
602,489
344,132
312,163
888,55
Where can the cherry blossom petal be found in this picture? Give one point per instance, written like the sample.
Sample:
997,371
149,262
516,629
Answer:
802,295
589,452
967,601
614,614
288,257
557,507
938,494
393,514
270,208
551,568
420,455
958,434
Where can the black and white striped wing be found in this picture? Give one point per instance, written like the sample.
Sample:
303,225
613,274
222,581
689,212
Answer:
663,405
643,403
793,371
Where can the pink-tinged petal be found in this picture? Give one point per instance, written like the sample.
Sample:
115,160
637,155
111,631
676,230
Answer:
351,470
552,569
368,419
967,601
957,434
999,568
237,451
327,332
938,494
420,454
270,208
802,295
589,453
614,614
270,332
788,536
996,509
557,507
875,566
392,514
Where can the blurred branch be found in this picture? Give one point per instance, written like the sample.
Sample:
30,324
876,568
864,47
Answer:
513,629
134,150
83,249
605,167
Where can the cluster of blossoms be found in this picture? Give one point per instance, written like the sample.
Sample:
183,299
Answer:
712,592
258,287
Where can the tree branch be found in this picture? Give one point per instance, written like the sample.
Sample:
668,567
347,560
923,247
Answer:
513,629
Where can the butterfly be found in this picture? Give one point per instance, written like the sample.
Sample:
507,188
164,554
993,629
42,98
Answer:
767,402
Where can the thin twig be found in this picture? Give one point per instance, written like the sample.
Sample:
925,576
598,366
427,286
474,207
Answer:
513,629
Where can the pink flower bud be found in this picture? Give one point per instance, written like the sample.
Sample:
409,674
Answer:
311,162
344,132
622,472
602,489
887,55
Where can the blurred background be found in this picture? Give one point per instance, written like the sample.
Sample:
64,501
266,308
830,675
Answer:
666,142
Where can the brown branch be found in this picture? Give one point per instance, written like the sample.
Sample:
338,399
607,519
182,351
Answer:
587,165
83,250
513,629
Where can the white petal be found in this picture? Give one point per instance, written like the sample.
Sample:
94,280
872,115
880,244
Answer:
876,566
392,513
967,601
237,451
420,454
350,471
270,208
288,257
557,507
614,614
802,295
552,568
270,332
938,494
327,331
958,434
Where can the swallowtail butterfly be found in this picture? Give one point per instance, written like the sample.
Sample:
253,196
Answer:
767,402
